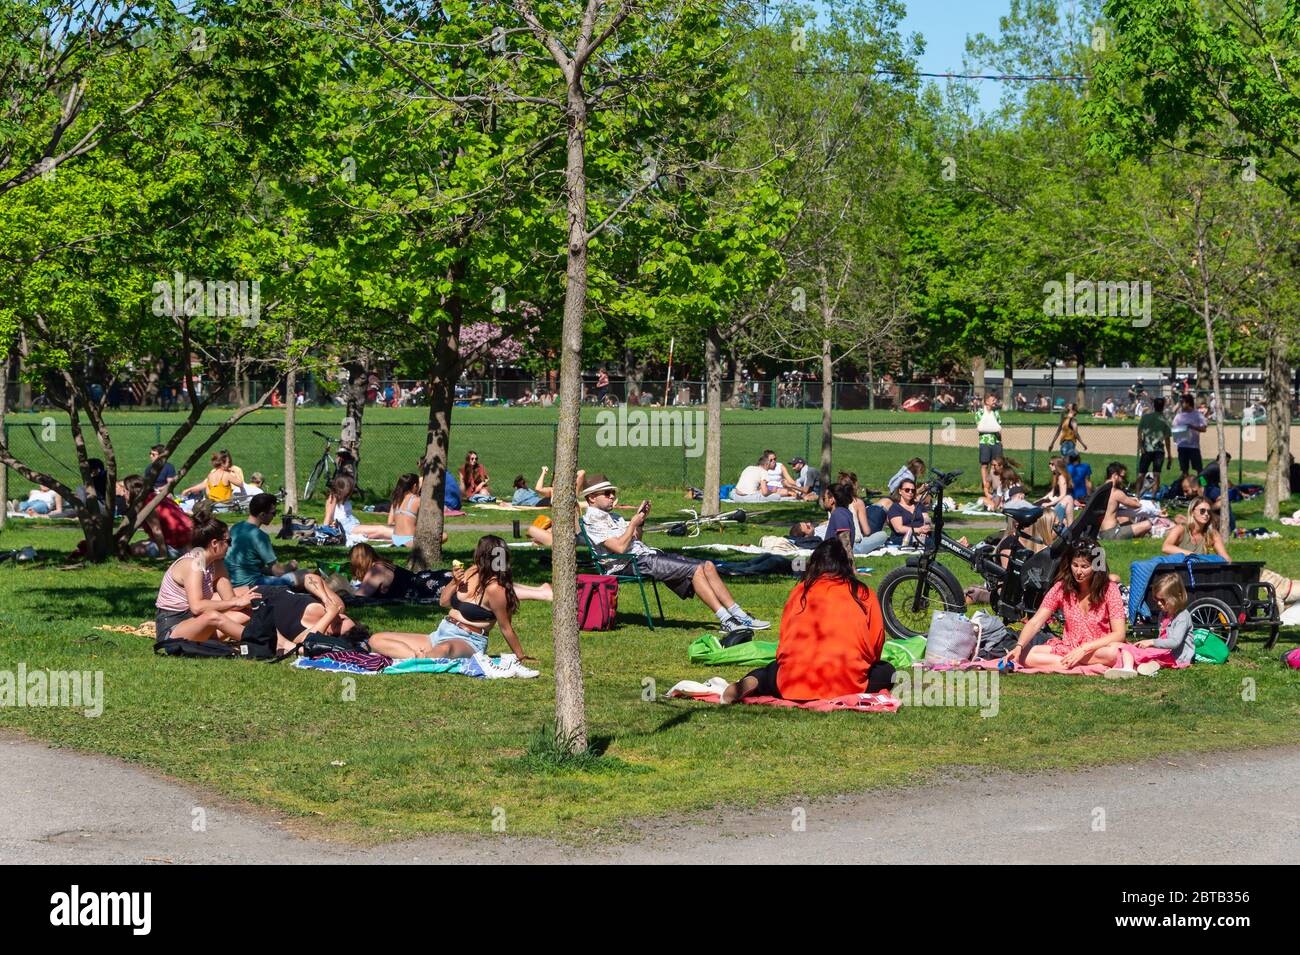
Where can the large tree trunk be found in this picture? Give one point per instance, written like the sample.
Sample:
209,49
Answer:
290,443
426,549
737,378
570,703
978,367
828,384
634,372
4,409
355,405
1277,399
871,383
1213,361
1080,377
1008,376
713,429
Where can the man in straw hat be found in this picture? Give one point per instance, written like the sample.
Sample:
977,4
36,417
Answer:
684,576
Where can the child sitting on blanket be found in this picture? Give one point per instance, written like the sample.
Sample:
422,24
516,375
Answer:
1175,620
832,632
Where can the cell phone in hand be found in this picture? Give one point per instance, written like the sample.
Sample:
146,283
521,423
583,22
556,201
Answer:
645,508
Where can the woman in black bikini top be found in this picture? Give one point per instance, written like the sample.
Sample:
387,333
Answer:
489,596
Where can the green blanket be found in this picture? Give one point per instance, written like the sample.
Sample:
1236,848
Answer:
708,650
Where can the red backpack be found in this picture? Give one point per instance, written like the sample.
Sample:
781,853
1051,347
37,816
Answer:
597,601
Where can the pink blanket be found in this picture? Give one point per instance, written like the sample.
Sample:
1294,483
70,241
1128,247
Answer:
1140,655
858,702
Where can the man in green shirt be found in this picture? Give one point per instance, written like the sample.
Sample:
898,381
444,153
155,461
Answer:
1154,436
250,561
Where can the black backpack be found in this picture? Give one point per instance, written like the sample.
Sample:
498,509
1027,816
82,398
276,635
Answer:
194,648
258,642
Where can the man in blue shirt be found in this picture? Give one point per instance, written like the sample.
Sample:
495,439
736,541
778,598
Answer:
168,470
1081,476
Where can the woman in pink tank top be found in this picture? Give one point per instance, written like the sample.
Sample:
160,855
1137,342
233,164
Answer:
195,600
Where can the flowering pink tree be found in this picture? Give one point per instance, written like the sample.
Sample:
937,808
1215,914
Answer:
486,345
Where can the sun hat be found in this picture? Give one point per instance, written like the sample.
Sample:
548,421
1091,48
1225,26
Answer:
596,484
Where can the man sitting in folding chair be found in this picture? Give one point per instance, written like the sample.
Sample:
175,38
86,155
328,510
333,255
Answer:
685,576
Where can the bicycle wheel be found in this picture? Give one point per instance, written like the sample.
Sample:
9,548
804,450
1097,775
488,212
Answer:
314,479
897,596
1211,613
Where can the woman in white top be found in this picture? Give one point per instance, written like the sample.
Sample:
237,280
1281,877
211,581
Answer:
39,501
338,510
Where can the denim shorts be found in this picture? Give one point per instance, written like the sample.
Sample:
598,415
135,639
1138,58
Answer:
447,630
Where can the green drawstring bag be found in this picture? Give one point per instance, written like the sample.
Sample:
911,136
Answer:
903,654
1210,647
708,650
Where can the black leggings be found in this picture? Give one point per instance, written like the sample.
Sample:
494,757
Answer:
879,677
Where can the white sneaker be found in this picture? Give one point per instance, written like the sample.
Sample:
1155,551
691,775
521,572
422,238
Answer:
1150,668
747,621
517,669
490,670
1120,673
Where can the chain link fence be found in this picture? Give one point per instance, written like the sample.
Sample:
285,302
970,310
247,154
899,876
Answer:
645,449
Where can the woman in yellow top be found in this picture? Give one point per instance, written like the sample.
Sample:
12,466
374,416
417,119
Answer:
217,485
1068,431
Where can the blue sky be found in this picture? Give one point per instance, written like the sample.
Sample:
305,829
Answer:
945,25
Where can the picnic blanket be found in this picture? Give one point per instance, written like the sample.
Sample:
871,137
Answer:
465,666
502,506
1140,655
711,692
1140,573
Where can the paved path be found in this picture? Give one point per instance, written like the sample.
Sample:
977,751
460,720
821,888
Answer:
65,807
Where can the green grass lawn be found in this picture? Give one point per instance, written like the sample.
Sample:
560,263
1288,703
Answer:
514,441
419,754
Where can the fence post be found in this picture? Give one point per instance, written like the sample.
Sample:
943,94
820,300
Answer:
1241,447
929,462
807,441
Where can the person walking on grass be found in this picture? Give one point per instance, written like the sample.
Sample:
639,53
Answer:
1154,437
685,576
1068,432
988,425
832,633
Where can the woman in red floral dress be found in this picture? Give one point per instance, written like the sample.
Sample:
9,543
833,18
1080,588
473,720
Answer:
1094,617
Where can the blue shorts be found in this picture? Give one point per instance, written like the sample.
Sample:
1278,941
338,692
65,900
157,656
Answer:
447,630
1067,449
402,540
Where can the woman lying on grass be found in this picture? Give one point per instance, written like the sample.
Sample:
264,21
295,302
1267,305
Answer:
196,600
832,632
319,610
484,594
1095,623
378,577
